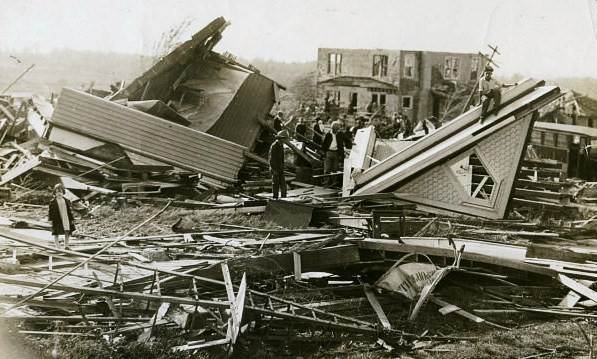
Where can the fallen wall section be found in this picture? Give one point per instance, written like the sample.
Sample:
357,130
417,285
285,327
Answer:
144,134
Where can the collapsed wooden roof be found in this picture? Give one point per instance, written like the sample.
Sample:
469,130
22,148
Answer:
229,98
465,167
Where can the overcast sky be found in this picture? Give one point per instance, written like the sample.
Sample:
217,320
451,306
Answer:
547,38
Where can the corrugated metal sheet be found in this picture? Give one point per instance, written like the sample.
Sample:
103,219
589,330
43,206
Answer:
239,122
148,135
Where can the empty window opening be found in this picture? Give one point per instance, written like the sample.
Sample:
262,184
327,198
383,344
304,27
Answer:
380,65
334,63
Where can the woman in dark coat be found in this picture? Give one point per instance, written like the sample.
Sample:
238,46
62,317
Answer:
61,216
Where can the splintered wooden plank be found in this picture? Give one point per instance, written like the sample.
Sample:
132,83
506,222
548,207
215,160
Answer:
447,307
228,283
19,170
8,279
239,305
569,300
452,308
578,287
311,260
381,316
296,259
70,183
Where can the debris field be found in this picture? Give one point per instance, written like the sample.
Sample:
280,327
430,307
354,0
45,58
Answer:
420,248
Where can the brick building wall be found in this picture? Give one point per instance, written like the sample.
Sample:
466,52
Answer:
405,83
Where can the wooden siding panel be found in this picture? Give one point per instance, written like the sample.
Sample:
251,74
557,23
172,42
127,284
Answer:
148,135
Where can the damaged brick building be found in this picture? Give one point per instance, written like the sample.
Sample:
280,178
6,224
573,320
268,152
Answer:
418,83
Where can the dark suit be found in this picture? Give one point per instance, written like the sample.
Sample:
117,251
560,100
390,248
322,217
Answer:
276,165
317,134
300,131
333,157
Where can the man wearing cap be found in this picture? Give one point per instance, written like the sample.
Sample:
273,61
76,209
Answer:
276,164
333,147
489,89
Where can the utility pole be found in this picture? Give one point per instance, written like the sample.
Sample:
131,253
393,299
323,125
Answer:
16,80
489,59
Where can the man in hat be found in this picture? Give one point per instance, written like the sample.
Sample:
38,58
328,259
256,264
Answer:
489,89
276,164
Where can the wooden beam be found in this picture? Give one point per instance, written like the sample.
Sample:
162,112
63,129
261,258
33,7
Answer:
106,292
394,246
296,260
381,316
463,313
578,287
239,305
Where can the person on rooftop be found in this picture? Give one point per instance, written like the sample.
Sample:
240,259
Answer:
490,89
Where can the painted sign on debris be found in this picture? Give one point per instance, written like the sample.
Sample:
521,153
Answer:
407,279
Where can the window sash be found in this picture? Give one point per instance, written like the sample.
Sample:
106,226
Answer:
451,68
380,65
409,64
334,63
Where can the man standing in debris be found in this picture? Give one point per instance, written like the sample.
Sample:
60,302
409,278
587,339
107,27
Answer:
318,131
61,216
333,147
276,164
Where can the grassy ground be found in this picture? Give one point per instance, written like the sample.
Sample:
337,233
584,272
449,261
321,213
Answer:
531,335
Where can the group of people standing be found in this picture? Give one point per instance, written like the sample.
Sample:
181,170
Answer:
330,145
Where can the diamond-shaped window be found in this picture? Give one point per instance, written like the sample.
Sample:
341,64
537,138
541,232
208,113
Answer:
482,184
474,177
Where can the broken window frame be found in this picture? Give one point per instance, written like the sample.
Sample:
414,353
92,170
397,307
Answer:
469,192
334,63
410,102
451,68
380,65
409,66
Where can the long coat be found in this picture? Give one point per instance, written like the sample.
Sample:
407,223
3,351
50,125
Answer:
276,156
54,217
